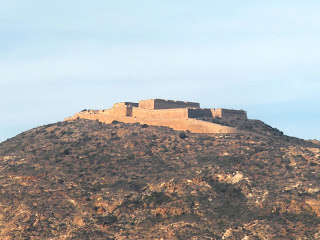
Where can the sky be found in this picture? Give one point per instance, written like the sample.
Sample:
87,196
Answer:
59,57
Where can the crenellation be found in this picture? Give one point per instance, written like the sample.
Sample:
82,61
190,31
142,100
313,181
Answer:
166,104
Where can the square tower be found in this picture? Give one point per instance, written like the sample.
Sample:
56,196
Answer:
154,104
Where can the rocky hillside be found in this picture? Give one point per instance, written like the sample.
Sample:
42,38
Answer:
87,180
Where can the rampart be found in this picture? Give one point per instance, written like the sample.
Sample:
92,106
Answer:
119,110
163,113
123,104
199,113
176,114
228,113
192,125
166,104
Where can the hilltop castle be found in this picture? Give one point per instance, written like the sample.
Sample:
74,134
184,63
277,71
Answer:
178,115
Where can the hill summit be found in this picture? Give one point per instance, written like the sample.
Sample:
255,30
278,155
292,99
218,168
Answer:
85,178
178,115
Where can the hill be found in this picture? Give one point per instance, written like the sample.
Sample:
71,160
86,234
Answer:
83,179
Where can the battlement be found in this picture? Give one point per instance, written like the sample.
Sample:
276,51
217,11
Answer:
228,113
166,104
179,115
168,109
124,104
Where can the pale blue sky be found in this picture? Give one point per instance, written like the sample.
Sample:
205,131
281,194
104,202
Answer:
59,57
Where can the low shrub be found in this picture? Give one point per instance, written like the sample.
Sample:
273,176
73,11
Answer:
182,135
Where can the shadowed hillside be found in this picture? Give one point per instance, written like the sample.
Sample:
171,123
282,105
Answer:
87,180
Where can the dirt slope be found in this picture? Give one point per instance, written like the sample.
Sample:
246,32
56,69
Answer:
88,180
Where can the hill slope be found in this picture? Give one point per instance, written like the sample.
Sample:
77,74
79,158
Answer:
87,180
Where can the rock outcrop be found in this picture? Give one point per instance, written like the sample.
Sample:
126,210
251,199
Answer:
83,179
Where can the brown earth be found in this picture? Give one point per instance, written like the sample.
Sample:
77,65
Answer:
83,179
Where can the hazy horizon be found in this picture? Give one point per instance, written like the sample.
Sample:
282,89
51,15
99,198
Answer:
57,58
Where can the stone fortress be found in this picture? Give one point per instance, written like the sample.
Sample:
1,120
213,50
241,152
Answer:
178,115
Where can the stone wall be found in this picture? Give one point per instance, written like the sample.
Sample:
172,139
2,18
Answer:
123,109
160,114
166,104
119,111
199,113
229,113
123,104
175,114
193,125
127,110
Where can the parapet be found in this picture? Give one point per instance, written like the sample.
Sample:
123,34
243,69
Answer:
228,113
178,115
123,104
170,109
166,104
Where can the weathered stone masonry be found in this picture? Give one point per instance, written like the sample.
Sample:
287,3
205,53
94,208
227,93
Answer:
178,115
159,108
166,104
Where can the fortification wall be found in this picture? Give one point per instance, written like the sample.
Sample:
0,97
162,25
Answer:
164,113
146,104
199,113
229,113
175,114
166,104
123,110
118,111
123,104
193,125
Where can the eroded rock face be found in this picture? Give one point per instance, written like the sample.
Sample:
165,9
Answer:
88,180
